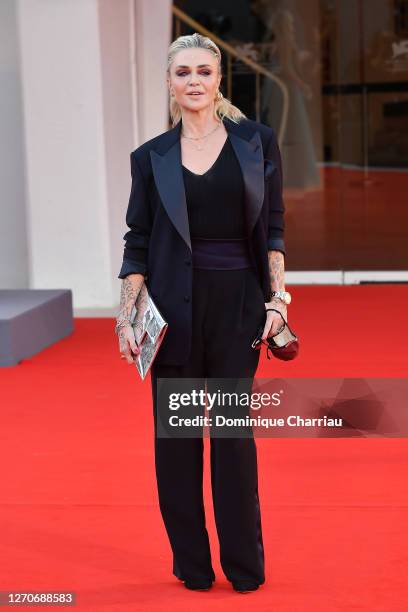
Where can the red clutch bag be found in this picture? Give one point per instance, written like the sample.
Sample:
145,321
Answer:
283,345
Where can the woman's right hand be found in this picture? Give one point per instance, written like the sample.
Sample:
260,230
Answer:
127,344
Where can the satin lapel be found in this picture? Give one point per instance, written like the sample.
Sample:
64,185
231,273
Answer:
251,160
168,176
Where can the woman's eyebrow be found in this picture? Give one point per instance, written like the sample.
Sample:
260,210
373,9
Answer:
200,66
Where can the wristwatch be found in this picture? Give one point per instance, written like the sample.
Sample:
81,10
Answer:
282,295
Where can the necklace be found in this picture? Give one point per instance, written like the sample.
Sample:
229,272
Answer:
200,147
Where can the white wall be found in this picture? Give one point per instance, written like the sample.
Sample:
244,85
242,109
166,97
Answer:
13,233
133,59
152,38
93,79
65,149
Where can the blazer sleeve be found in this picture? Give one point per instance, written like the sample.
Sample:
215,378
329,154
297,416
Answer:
276,220
138,219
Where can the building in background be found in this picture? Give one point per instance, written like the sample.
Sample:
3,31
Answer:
83,83
331,77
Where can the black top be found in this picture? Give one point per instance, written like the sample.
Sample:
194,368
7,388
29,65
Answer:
215,199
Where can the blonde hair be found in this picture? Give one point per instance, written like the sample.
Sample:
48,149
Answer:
222,106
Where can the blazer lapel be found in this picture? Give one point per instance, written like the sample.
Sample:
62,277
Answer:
248,149
168,174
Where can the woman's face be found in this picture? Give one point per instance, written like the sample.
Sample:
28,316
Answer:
194,70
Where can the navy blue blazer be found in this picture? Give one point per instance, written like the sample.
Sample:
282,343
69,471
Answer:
158,242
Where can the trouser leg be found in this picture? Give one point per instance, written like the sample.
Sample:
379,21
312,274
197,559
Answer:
179,474
179,469
231,325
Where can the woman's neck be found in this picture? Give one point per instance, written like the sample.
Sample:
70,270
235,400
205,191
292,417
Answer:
198,123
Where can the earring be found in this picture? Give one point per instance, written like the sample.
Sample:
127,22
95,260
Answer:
218,95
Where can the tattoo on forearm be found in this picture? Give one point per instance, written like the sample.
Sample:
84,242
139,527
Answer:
130,290
277,270
277,277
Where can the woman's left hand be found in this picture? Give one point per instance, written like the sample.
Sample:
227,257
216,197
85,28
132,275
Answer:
273,320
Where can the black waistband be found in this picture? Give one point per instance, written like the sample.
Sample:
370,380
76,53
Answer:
220,254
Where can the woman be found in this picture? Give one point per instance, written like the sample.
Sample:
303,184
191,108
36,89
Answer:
206,235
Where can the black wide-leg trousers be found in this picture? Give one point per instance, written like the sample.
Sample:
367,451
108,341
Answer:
228,308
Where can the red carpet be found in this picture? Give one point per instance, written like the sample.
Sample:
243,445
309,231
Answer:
78,495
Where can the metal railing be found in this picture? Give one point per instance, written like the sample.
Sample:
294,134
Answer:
231,52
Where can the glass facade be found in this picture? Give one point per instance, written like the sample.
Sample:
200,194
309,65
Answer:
331,77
